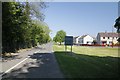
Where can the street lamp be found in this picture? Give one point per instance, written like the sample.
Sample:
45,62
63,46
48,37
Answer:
112,36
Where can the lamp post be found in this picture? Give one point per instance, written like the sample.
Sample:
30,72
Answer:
112,36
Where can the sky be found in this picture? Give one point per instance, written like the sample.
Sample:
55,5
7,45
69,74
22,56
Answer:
80,18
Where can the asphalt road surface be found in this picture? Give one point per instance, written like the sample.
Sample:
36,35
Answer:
38,62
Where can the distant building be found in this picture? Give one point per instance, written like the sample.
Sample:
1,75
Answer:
85,39
104,38
76,40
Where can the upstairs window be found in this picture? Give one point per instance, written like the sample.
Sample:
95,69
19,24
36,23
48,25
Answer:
103,37
108,37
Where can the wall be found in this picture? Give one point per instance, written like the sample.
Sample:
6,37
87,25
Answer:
87,39
114,40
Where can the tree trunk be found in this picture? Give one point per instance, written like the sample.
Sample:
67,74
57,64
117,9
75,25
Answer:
60,43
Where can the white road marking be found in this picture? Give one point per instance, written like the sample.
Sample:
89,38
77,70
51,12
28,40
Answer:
37,51
16,65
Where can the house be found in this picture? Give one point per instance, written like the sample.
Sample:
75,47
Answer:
105,38
76,40
86,39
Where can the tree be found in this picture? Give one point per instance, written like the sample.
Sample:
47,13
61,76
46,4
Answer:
60,36
12,16
36,10
94,42
40,32
22,26
117,26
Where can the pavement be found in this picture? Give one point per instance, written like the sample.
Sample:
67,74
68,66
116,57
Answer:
39,62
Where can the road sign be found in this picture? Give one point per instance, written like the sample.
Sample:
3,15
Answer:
68,40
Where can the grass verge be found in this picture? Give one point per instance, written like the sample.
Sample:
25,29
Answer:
88,62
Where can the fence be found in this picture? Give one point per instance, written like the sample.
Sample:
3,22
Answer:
115,45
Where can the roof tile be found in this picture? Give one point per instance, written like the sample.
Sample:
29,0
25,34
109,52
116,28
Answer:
110,34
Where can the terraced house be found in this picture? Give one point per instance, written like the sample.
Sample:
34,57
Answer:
107,38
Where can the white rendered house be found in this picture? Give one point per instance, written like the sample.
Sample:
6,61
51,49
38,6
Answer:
104,38
86,39
76,40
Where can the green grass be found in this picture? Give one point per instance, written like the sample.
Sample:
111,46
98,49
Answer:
88,62
97,51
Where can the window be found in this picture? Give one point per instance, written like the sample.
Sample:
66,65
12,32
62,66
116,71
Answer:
108,37
110,42
103,37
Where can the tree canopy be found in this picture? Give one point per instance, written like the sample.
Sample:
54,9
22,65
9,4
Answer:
117,26
23,26
60,36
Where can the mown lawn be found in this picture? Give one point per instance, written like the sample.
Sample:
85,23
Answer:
88,62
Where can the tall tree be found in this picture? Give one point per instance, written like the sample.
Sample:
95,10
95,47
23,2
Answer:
19,28
36,10
10,24
117,26
60,36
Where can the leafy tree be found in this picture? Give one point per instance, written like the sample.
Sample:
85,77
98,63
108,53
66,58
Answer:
19,29
41,31
36,10
60,36
11,27
94,42
117,26
55,39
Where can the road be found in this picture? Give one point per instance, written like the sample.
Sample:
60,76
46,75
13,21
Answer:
38,62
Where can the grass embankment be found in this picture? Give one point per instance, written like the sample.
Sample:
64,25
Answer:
88,62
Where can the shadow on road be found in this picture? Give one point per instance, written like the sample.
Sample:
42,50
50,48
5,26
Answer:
11,57
39,65
42,48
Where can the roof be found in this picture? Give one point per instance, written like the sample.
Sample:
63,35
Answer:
83,36
108,34
76,37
